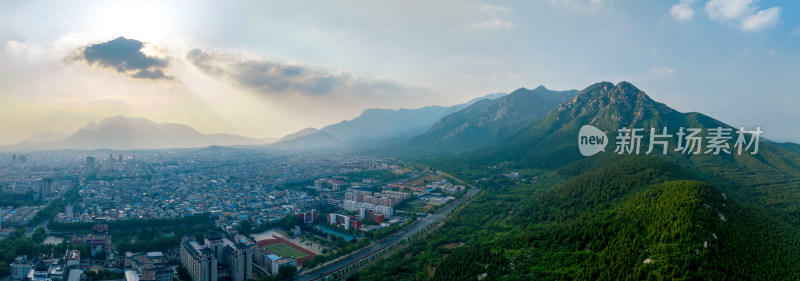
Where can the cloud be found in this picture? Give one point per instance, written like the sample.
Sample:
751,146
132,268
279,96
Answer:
662,70
579,5
795,32
494,24
683,10
745,12
125,56
273,78
493,8
761,19
724,10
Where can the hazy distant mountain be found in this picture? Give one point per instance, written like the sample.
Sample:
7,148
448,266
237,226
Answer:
307,139
270,140
380,123
301,133
136,133
459,107
487,121
390,125
46,136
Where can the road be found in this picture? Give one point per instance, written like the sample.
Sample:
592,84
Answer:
416,228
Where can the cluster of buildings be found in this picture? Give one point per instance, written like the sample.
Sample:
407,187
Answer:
326,183
344,221
445,186
236,186
352,206
45,176
386,198
373,205
38,269
217,258
150,266
268,262
98,241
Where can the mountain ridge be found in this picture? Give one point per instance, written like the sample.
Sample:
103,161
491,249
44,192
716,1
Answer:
609,216
378,125
127,133
485,122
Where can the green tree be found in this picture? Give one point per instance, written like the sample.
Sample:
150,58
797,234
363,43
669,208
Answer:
287,272
39,235
245,227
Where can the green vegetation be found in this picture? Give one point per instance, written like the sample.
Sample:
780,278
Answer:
55,206
138,235
245,227
39,235
103,274
380,176
285,273
134,224
16,244
17,199
606,218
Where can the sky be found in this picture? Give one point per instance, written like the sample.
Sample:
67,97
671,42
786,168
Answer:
269,68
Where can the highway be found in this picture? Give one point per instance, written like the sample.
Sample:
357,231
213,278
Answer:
417,227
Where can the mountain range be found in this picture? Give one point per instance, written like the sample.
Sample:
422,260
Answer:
487,121
672,216
375,127
664,215
125,133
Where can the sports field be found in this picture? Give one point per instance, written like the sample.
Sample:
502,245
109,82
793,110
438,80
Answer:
285,250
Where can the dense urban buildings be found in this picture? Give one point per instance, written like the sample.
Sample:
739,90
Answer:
217,258
150,266
84,195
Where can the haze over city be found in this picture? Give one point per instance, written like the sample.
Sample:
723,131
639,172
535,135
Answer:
267,69
399,140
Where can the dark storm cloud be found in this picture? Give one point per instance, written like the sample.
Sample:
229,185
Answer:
125,56
269,77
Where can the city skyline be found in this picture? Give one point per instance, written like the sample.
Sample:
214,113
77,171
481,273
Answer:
269,69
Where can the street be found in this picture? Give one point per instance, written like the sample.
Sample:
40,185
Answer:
416,228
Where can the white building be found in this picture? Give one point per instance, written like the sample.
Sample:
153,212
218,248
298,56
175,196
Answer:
351,205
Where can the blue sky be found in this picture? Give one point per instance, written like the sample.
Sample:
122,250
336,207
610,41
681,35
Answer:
268,68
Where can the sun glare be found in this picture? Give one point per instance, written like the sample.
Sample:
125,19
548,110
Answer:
140,20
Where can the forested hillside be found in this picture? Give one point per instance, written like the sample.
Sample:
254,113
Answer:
613,217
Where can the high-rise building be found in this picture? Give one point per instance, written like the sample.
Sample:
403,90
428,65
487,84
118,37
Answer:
44,188
20,161
218,258
90,162
199,261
